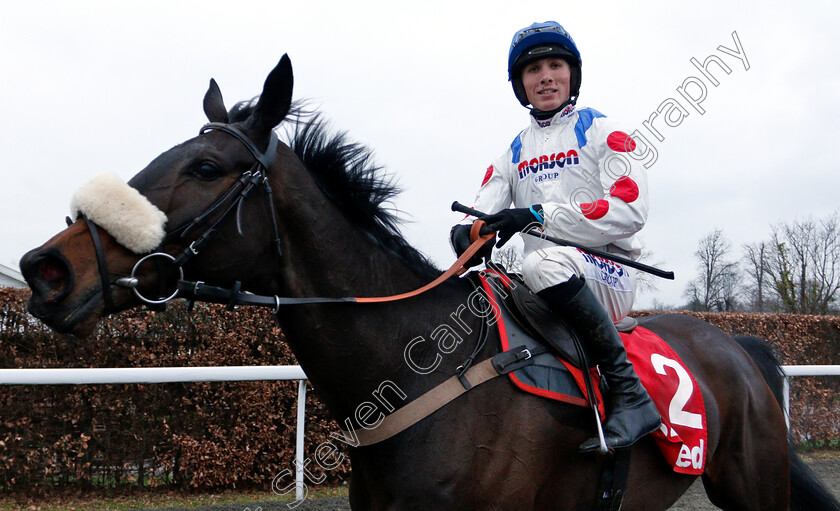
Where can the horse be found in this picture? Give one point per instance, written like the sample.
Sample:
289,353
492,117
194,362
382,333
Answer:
324,229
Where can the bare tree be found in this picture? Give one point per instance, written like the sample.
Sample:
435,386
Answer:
660,306
509,258
730,288
717,284
645,282
755,264
826,263
804,264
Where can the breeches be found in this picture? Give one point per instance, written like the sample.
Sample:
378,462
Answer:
613,283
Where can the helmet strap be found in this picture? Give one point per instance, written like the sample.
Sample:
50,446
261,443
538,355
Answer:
542,115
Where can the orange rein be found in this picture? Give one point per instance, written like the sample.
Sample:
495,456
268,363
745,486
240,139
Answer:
478,240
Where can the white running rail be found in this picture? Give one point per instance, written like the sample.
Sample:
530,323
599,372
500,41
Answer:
804,370
174,375
261,373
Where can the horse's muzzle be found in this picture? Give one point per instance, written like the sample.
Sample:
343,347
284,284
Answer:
48,274
51,278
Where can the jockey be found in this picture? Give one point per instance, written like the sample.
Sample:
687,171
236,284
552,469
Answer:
568,173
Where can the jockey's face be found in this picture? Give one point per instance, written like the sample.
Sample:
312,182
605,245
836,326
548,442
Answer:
546,83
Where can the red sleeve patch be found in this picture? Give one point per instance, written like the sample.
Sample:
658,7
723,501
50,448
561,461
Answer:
625,189
595,210
621,142
487,175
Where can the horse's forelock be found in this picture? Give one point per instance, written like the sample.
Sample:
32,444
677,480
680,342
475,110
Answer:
242,110
299,111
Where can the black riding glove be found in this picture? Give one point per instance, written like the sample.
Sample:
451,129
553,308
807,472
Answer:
508,222
459,236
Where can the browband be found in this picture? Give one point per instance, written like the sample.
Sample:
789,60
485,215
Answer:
265,158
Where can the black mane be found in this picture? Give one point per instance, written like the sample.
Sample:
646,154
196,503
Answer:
346,173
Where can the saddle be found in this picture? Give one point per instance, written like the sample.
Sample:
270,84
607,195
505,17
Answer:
533,315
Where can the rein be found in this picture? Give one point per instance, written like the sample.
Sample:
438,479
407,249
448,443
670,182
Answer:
199,291
234,197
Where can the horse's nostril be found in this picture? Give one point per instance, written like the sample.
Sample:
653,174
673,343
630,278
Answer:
52,269
48,274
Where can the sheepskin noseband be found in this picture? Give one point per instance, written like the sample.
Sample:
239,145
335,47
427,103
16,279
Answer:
121,210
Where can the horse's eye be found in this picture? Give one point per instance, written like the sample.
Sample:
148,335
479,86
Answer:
207,170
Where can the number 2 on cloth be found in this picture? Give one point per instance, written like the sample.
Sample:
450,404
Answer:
685,388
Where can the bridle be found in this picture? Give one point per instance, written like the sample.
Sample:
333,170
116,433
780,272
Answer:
232,201
256,175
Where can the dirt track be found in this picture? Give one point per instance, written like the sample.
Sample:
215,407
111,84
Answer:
694,500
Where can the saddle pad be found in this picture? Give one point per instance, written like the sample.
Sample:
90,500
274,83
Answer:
682,437
547,376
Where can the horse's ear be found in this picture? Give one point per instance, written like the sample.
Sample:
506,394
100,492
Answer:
214,106
276,97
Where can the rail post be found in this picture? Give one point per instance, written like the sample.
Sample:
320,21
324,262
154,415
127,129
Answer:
301,424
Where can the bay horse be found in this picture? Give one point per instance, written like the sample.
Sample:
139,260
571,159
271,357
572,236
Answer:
323,231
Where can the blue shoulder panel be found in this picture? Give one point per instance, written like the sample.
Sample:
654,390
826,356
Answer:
585,118
516,147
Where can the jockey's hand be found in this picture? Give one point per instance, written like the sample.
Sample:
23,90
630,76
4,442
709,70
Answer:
508,222
459,236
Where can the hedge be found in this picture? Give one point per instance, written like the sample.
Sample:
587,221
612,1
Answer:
207,436
190,435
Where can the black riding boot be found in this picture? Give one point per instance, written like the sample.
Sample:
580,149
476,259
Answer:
631,413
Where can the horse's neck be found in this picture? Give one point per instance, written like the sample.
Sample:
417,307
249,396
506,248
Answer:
349,350
325,253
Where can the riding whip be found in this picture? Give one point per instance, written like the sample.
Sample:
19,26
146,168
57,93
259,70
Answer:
457,206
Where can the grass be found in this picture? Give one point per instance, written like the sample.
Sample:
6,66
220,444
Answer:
142,500
832,444
820,454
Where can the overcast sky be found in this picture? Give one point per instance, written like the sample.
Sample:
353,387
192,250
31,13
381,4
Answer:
89,87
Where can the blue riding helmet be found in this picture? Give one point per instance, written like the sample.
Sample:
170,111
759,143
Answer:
539,41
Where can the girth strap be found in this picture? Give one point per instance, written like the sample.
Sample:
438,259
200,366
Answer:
613,483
